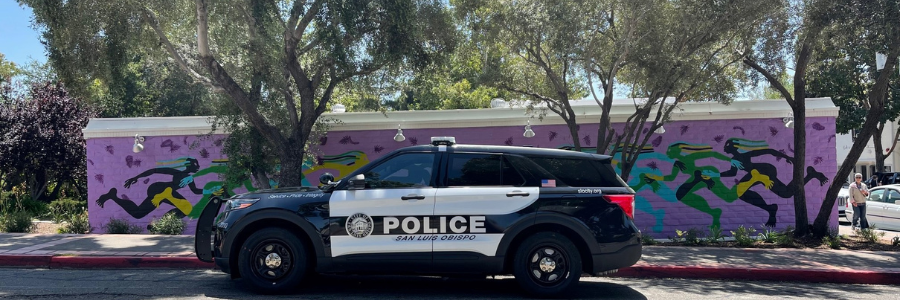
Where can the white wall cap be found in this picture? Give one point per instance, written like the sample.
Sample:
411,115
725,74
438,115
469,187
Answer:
586,110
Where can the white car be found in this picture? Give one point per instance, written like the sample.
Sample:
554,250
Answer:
842,197
882,207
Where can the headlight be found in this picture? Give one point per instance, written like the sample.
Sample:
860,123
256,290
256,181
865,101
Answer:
239,203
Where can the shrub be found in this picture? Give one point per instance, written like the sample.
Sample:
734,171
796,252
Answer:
76,223
119,226
690,237
767,235
169,224
869,235
9,202
61,210
646,239
895,241
16,221
715,234
743,236
786,237
832,241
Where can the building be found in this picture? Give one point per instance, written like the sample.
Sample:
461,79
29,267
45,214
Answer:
740,153
866,163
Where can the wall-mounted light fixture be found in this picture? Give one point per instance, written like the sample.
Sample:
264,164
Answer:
660,130
528,132
788,121
138,143
399,136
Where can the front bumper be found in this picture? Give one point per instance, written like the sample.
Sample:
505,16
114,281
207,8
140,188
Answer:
223,264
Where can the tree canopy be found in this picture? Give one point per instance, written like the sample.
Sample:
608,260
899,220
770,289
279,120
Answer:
41,140
278,62
8,69
660,49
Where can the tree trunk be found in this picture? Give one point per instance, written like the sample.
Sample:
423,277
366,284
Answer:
801,216
877,95
603,140
573,130
292,167
55,193
820,226
261,178
879,154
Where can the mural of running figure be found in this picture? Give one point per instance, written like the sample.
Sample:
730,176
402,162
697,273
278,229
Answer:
686,156
181,171
743,151
210,189
642,181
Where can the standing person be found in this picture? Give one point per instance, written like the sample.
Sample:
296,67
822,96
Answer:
873,181
858,193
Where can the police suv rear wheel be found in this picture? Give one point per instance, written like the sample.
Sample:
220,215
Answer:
547,264
273,260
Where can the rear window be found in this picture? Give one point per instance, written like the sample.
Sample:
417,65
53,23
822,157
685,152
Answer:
579,172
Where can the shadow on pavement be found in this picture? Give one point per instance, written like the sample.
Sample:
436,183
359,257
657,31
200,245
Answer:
737,289
129,242
791,258
394,287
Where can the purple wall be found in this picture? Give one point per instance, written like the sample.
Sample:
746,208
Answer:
111,163
659,212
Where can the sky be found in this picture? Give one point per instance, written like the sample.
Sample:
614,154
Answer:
18,41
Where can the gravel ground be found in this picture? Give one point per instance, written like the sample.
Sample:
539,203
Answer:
45,227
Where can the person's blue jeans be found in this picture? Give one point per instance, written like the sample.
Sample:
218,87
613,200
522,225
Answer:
859,216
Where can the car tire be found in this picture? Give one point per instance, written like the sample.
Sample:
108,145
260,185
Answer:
547,264
273,261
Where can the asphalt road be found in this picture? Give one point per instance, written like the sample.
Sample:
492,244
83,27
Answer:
193,284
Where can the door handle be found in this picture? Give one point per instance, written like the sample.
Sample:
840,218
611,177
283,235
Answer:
412,197
517,194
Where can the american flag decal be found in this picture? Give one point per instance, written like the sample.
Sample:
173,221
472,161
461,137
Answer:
548,183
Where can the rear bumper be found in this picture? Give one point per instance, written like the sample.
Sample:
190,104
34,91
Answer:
625,257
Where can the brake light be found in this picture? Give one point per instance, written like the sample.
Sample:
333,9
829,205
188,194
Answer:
626,202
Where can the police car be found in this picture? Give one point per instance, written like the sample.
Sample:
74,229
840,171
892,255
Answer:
545,216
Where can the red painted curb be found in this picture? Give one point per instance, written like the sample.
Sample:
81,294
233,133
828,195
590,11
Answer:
25,261
806,275
110,262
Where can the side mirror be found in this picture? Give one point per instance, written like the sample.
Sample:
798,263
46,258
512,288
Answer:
358,182
326,178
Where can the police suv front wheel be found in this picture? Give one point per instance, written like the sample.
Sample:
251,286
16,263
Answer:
547,264
273,260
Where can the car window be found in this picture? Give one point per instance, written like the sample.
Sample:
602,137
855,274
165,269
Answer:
579,172
474,170
510,176
893,195
481,170
530,171
875,195
405,170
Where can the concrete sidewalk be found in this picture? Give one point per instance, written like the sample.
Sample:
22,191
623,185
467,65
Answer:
161,251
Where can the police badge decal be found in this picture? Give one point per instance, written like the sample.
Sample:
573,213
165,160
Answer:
359,225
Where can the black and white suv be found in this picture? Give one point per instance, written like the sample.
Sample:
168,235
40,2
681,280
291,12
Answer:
544,215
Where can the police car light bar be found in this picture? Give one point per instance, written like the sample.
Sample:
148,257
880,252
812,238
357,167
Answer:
443,140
